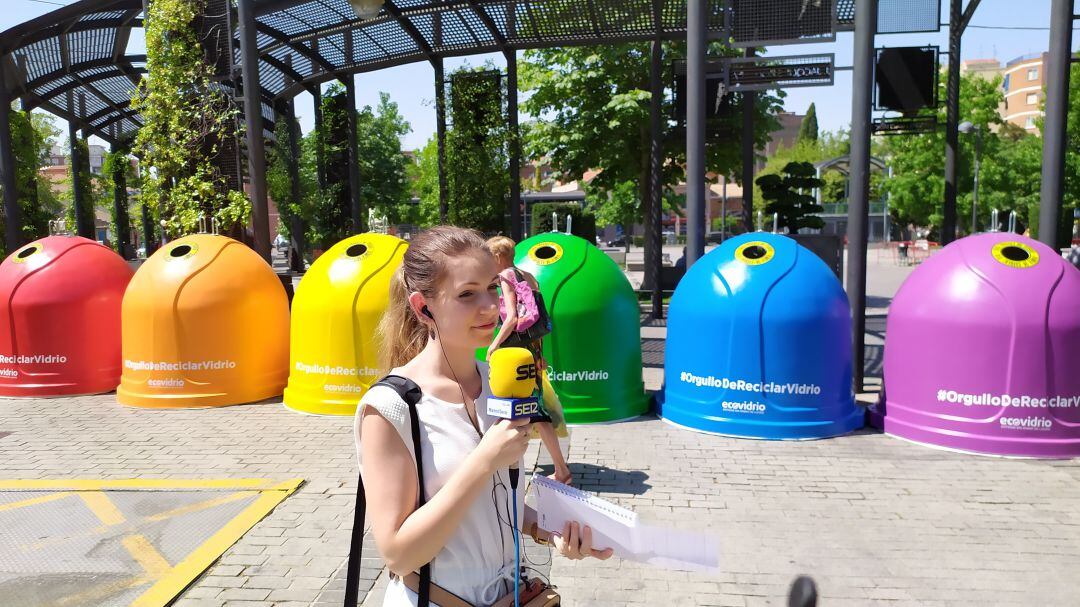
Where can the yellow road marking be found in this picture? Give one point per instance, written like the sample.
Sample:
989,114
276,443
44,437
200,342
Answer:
33,501
103,508
254,484
146,555
201,506
166,588
95,594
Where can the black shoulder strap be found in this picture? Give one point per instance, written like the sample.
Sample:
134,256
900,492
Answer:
410,393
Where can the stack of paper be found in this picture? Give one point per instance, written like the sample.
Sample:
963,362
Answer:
618,528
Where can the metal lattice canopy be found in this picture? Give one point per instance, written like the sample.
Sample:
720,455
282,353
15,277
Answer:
80,48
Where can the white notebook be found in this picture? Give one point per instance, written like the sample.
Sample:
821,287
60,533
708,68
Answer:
618,528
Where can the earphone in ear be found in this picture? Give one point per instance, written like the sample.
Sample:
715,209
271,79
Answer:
426,312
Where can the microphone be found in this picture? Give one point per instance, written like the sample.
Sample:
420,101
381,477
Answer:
512,378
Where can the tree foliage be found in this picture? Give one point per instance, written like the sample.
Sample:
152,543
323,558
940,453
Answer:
187,117
477,150
92,191
808,130
790,196
32,136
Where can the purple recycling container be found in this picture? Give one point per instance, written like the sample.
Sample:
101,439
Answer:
982,351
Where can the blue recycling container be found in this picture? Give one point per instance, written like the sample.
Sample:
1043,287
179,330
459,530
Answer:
759,344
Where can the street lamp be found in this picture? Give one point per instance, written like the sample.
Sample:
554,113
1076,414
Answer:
967,127
366,9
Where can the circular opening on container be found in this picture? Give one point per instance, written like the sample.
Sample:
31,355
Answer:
755,252
181,250
27,252
546,252
356,250
1013,253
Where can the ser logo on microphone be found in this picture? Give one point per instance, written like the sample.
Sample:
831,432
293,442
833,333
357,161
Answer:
526,371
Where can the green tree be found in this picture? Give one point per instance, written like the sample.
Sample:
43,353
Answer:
424,175
477,156
384,184
32,136
117,172
91,187
808,130
590,107
917,187
186,118
790,196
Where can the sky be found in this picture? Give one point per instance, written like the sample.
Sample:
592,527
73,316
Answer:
997,30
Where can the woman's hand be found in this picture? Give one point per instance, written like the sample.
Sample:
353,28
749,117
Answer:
505,442
576,544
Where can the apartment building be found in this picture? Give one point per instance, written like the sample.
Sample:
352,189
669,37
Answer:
1024,79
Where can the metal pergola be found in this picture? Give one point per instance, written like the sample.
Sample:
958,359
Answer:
73,63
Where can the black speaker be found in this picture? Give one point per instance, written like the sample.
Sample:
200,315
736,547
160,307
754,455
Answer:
906,78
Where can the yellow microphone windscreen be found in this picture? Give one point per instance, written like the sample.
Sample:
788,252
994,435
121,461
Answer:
512,373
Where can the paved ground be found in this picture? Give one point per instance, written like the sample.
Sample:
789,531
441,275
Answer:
873,519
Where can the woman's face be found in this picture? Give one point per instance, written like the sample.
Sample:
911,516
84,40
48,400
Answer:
466,305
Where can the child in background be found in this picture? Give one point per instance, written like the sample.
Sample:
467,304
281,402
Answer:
502,248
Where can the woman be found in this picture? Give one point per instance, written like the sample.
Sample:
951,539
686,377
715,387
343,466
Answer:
443,306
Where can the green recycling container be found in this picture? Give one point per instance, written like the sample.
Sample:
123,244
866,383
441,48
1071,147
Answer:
594,350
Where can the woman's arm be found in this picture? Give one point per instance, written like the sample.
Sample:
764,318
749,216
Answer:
407,537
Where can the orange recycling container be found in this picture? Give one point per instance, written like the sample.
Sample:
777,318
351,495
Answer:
205,324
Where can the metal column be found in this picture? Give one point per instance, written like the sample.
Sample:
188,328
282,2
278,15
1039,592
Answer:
749,100
355,208
120,206
952,121
440,119
862,85
296,225
695,130
249,62
656,161
77,193
515,144
1057,108
320,159
13,223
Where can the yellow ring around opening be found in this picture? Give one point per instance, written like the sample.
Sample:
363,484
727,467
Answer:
194,249
34,248
998,253
545,262
740,253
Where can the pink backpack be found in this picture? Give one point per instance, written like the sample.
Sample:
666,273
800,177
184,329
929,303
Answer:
527,311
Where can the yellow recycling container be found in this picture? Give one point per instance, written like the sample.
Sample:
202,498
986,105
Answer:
205,323
334,355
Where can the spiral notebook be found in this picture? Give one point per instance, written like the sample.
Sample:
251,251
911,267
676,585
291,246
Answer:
620,529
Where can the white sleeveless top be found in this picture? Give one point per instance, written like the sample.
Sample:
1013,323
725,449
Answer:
477,563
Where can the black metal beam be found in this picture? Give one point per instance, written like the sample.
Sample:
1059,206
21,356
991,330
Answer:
296,224
13,41
969,12
440,129
81,66
120,206
952,122
1057,108
295,46
656,161
320,159
356,211
75,84
695,130
489,23
410,29
12,213
249,53
515,145
77,193
859,176
749,101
